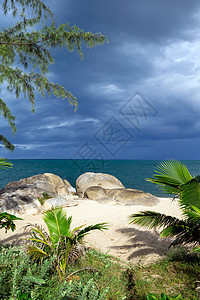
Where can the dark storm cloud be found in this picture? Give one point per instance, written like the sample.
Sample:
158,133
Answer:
148,20
153,49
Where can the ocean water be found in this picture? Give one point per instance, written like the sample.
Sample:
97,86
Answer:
132,173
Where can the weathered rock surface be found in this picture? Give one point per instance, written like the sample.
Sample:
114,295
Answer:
61,187
22,196
105,181
59,201
121,196
95,192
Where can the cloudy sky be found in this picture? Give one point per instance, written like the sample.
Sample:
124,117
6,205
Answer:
138,95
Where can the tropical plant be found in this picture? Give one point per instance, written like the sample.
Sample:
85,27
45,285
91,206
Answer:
174,178
60,241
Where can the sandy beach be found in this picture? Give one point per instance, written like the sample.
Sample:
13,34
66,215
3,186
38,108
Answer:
128,242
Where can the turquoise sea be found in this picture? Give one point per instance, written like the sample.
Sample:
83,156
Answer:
131,173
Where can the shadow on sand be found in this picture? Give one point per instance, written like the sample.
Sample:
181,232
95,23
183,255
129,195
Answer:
14,239
142,243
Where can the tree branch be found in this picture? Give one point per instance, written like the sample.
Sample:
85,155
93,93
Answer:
24,44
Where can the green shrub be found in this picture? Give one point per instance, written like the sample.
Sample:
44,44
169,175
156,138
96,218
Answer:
83,291
163,297
19,273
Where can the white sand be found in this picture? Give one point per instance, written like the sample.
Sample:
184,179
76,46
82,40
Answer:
128,242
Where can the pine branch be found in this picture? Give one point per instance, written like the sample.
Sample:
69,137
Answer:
7,115
6,143
20,45
24,44
19,81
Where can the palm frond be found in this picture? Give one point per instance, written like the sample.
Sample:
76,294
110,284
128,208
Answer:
190,194
175,178
77,228
196,249
58,224
37,231
4,164
151,219
38,241
170,175
188,233
86,230
193,213
36,253
184,231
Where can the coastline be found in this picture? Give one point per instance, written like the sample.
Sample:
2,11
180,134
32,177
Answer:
129,242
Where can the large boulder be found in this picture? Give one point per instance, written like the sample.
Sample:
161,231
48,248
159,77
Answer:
120,196
61,187
105,181
22,196
132,197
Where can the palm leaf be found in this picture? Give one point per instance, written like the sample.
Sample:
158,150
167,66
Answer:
38,241
188,233
193,213
190,194
174,177
4,164
151,219
35,231
36,253
58,224
86,230
196,249
170,175
184,231
77,229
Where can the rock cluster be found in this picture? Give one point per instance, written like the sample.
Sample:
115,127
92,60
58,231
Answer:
22,196
19,197
106,188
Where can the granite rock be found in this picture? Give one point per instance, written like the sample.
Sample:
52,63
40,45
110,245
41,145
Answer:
22,196
105,181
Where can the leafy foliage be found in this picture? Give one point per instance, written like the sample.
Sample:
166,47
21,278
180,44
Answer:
4,164
44,198
175,177
29,48
6,221
22,277
163,297
60,242
19,275
170,175
80,291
